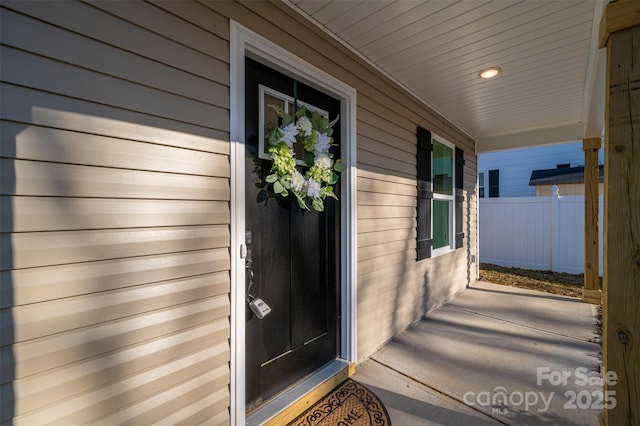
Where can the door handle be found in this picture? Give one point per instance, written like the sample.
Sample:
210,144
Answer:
258,306
249,269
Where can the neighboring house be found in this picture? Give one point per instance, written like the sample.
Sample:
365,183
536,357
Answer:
569,180
507,173
132,237
520,230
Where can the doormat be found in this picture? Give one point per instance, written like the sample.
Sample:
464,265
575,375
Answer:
349,404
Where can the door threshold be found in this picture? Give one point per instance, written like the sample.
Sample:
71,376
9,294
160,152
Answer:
295,400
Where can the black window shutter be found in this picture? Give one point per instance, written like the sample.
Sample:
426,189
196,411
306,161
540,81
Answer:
425,194
459,197
494,183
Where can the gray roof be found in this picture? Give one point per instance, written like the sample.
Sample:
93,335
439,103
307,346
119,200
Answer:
561,175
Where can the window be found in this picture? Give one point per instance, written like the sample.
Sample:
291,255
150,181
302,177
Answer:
442,204
489,183
494,183
440,196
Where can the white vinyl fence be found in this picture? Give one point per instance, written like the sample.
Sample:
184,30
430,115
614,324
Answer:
544,233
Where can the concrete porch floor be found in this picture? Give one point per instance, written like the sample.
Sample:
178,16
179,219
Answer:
494,355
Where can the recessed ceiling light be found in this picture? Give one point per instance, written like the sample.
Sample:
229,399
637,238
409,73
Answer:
489,73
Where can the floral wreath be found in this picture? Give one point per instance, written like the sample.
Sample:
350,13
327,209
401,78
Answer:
314,132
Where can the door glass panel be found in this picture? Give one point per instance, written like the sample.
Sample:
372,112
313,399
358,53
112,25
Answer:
440,223
269,119
442,169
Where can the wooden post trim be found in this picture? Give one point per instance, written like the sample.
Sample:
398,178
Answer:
621,290
591,292
618,15
591,143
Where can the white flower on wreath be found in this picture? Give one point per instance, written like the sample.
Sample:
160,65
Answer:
323,144
289,133
297,182
313,188
304,126
323,161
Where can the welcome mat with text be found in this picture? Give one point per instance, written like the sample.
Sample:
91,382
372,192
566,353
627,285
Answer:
350,404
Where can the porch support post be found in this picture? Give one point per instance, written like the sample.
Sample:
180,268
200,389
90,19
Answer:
591,292
620,33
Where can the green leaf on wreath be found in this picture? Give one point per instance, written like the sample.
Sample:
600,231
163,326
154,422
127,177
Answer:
276,108
318,205
308,158
301,203
284,183
339,166
333,178
277,187
271,178
273,137
318,122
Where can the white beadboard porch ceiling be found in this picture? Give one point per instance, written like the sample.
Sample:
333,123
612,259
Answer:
551,88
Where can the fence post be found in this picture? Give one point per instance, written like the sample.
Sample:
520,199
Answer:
555,228
591,290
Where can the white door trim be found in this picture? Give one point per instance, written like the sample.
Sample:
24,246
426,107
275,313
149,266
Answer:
244,42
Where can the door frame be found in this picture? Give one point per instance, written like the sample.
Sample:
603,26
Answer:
244,42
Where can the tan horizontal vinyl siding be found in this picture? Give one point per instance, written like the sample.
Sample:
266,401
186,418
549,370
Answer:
32,249
393,289
114,235
117,267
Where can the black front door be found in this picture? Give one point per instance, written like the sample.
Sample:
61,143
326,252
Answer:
293,259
